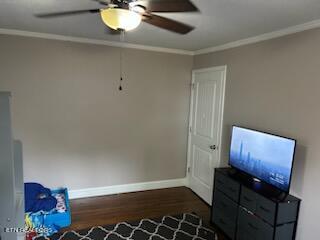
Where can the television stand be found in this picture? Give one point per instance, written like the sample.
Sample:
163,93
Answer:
244,209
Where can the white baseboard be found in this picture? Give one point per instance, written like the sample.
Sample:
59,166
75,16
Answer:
133,187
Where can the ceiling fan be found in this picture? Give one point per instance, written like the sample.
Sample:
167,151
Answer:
125,15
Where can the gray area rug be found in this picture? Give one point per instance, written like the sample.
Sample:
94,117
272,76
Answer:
180,227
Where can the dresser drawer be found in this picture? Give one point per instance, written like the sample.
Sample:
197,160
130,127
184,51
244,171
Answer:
251,227
242,234
227,185
224,223
223,204
287,212
248,199
266,209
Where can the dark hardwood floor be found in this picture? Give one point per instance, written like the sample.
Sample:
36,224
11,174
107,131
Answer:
88,212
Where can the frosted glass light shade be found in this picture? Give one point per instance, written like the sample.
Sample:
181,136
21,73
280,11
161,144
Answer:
117,18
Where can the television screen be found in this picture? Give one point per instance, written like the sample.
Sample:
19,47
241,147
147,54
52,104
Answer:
264,156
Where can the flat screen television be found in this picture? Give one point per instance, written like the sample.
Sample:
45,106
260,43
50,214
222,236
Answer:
264,156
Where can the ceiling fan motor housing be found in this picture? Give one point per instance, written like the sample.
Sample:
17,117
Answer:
122,3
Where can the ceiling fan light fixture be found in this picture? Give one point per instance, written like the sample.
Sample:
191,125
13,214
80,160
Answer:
120,19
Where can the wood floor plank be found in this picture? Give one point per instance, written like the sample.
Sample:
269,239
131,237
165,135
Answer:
89,212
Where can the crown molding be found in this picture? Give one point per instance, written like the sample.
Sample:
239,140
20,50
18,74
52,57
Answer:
15,32
242,42
262,37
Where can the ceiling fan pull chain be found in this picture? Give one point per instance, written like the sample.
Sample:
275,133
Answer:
121,59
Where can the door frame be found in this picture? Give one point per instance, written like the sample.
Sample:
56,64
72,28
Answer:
220,124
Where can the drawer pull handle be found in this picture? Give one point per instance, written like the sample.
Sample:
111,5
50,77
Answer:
253,227
247,199
264,209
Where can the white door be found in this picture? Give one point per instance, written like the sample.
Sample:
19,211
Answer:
206,111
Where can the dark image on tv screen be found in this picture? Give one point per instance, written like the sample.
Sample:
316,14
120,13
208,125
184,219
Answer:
264,156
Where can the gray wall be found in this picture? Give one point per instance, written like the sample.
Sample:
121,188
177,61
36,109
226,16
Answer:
78,130
274,86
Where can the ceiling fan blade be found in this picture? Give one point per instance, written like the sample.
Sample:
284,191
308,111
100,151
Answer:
103,2
167,5
109,3
168,24
66,13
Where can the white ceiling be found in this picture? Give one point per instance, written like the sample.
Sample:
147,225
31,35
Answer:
219,21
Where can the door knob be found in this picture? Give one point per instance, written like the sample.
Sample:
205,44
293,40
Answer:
213,147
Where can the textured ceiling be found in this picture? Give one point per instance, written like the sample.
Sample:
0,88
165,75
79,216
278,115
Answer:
218,22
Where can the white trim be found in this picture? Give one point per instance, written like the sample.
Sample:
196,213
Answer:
213,69
92,41
242,42
263,37
222,100
220,127
190,128
133,187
